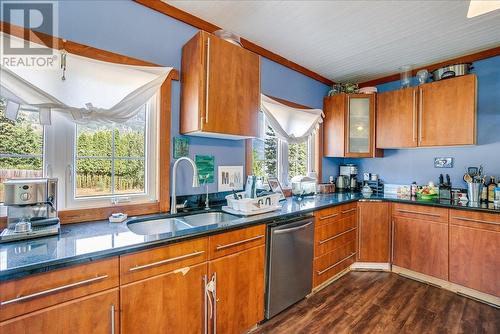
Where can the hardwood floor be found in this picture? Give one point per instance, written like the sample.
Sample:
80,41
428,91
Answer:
379,302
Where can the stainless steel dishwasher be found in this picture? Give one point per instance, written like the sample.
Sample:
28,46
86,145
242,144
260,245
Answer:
289,263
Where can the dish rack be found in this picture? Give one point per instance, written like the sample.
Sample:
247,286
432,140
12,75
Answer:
245,205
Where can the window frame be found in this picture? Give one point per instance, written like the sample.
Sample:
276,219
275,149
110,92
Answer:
315,144
60,162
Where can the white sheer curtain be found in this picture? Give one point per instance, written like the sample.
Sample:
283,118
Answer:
92,91
292,125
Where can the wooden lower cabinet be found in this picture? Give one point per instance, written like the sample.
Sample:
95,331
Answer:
96,314
240,290
167,303
374,232
475,251
421,246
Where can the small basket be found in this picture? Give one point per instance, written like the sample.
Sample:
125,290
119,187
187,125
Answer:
252,204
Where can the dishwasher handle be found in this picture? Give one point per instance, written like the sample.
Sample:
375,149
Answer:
288,230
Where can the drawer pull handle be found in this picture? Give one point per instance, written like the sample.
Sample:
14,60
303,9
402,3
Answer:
219,247
49,291
321,272
475,220
420,213
350,210
336,236
182,257
328,216
292,229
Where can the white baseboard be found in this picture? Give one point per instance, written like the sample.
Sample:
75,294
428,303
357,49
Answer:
371,266
467,292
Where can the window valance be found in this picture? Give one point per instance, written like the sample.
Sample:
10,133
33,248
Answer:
293,125
89,90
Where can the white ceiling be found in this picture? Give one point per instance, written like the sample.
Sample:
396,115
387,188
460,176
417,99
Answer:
355,40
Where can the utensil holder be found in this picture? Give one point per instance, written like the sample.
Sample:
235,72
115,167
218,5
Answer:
474,191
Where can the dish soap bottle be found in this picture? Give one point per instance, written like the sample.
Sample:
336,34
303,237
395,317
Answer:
491,189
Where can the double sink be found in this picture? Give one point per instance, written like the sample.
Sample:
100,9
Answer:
174,224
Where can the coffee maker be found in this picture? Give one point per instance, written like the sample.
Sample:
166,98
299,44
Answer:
31,209
351,172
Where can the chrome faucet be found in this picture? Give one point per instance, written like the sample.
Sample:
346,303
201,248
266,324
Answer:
207,203
173,203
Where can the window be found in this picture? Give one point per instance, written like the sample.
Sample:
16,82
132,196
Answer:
273,157
95,164
110,159
21,146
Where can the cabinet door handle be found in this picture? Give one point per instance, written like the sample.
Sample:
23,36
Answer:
350,210
321,272
112,314
476,220
336,236
166,261
219,247
211,289
414,114
288,230
49,291
328,216
419,213
205,308
208,79
420,114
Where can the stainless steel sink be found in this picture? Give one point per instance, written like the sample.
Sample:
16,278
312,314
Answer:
209,218
172,225
157,226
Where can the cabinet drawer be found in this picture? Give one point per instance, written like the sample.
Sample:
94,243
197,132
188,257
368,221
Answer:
420,212
348,210
35,292
161,260
330,264
333,235
327,215
236,241
474,219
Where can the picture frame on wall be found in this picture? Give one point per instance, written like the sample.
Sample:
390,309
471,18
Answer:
230,178
275,186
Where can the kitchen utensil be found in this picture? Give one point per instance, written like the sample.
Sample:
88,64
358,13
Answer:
467,178
473,171
451,71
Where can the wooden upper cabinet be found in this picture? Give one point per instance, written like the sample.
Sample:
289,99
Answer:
349,126
374,232
397,125
447,112
220,94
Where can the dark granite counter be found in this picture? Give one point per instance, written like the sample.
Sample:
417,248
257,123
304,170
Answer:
85,242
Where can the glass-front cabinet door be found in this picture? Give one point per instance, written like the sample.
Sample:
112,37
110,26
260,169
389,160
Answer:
360,125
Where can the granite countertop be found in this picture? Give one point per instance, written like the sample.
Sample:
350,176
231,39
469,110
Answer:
85,242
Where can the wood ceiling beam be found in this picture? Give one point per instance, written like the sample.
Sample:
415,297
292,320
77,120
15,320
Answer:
469,58
199,23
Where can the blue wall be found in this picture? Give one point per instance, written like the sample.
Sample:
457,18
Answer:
131,29
407,165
